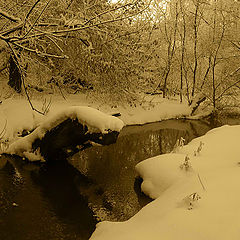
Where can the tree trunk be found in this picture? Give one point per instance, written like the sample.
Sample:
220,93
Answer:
15,80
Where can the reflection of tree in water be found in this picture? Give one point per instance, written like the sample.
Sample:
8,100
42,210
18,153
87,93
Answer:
59,183
8,189
113,167
168,138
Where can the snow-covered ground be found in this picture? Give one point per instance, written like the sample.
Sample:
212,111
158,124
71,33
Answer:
196,192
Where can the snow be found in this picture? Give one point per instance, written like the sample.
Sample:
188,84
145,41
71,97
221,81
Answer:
18,116
195,191
161,111
95,120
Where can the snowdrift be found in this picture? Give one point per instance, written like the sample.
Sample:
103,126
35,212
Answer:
196,192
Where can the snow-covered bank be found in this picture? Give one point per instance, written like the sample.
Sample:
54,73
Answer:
196,191
17,114
162,111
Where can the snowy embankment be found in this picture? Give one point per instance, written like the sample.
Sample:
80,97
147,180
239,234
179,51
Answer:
17,115
196,192
162,111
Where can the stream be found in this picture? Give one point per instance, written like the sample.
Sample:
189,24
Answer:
64,200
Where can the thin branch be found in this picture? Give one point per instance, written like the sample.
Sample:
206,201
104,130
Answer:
2,133
124,35
13,29
207,71
226,89
55,43
235,44
31,9
3,38
46,24
41,13
9,17
201,182
29,12
69,4
41,54
51,39
108,11
235,71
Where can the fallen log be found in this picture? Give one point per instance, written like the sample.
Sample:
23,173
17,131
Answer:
68,131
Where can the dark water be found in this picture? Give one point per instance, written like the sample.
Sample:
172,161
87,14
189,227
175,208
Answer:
65,200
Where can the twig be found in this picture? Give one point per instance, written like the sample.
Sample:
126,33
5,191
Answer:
30,11
57,84
45,107
235,71
108,11
4,130
13,29
41,54
8,16
45,7
226,89
201,182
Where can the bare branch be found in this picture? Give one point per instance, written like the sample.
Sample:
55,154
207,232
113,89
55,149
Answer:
110,10
39,53
89,26
55,43
235,45
235,71
9,17
30,11
41,13
12,29
226,89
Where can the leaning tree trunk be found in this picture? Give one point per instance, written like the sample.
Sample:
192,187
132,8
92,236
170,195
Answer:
15,80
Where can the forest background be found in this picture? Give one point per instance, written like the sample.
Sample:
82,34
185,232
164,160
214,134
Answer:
117,51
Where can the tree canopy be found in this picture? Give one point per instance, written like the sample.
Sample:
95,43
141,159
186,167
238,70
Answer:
120,49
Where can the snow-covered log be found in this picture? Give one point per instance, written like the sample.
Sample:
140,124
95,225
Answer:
66,130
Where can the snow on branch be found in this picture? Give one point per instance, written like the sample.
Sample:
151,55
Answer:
40,53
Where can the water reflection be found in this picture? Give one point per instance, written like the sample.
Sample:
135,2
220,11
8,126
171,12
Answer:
45,204
112,167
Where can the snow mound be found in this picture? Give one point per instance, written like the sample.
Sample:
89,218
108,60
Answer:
96,122
195,190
